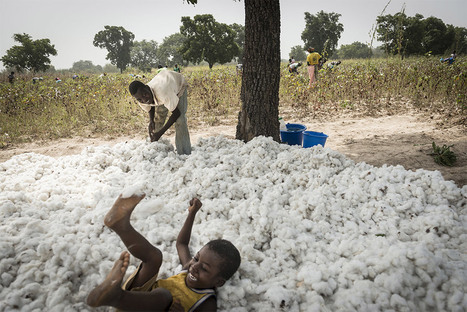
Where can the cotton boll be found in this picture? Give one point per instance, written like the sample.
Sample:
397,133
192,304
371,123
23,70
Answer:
399,303
7,278
149,207
57,298
250,253
279,296
457,301
310,274
314,302
323,288
232,293
12,301
238,309
7,208
131,190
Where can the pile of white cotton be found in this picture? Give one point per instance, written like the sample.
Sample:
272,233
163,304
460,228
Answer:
316,231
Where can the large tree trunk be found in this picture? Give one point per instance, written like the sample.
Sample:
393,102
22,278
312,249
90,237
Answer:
261,71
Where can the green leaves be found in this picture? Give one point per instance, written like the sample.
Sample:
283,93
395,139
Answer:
144,55
354,50
31,55
405,35
321,28
207,40
118,42
443,155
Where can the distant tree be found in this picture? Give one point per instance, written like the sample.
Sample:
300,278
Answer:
354,50
85,67
207,40
109,68
31,55
406,36
298,53
118,43
413,37
143,55
239,40
437,39
401,34
388,26
460,40
322,32
377,52
168,52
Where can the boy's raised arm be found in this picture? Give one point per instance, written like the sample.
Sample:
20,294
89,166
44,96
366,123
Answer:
183,238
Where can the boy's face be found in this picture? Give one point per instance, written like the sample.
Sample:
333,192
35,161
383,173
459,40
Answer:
144,96
204,270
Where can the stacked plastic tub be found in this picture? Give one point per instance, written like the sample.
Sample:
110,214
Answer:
296,134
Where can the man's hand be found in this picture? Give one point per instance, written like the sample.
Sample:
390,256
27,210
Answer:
151,128
195,205
156,136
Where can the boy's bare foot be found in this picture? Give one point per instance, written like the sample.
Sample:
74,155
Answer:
108,291
121,211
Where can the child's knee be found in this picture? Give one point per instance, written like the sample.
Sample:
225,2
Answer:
155,258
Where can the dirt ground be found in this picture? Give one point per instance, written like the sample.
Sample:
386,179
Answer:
394,140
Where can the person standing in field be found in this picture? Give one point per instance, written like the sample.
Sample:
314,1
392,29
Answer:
176,68
312,61
11,77
167,91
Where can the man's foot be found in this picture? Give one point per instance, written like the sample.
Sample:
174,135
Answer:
109,290
121,211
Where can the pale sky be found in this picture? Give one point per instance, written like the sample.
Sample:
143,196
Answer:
71,25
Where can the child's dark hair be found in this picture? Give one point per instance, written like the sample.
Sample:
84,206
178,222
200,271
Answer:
134,86
229,254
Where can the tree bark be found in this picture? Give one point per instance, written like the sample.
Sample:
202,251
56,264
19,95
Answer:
261,71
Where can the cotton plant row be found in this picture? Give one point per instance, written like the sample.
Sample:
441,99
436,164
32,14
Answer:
316,231
99,104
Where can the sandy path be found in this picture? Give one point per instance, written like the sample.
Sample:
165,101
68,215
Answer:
394,140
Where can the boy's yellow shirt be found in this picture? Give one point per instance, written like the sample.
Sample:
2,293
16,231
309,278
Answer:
189,298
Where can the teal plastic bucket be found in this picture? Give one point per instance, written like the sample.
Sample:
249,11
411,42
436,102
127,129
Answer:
294,134
312,138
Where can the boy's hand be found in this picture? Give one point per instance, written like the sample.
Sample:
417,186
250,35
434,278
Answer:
195,205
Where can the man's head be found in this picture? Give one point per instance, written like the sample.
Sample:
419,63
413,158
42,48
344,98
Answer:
213,265
311,50
141,92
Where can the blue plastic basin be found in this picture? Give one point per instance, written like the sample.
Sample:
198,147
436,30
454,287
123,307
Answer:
312,138
294,134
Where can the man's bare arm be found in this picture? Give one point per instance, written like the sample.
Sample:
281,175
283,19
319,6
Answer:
151,126
172,119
